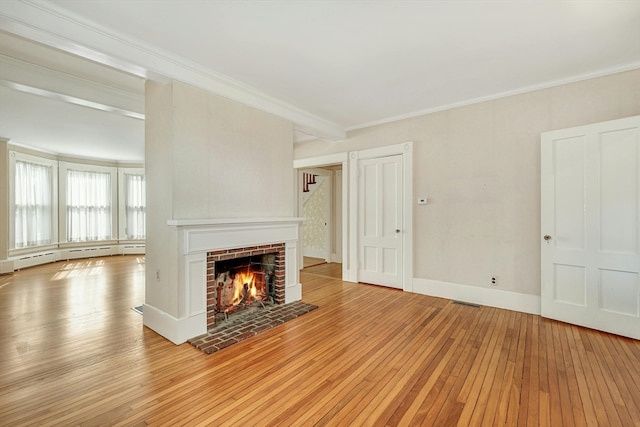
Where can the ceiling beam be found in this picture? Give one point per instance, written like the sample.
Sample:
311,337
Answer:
53,26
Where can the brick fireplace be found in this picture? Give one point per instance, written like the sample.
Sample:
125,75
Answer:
200,242
266,264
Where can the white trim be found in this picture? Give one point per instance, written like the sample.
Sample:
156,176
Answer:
498,298
319,161
352,224
63,167
53,164
406,150
56,27
175,330
82,102
553,83
348,274
122,202
196,237
37,76
327,177
6,267
224,222
292,285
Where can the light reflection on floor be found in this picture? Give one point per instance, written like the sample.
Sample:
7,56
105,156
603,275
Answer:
82,268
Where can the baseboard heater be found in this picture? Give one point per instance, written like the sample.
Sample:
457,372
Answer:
34,259
31,260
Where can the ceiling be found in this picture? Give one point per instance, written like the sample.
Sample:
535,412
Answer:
72,72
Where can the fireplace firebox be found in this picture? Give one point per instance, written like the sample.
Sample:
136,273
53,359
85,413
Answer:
245,278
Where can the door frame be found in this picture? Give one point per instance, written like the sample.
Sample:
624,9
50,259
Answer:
329,226
323,161
406,151
350,167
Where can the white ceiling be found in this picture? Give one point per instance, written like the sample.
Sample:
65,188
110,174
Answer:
329,66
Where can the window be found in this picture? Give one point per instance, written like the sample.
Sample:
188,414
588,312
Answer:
135,204
33,204
54,204
89,214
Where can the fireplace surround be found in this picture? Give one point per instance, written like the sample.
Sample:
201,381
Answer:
196,239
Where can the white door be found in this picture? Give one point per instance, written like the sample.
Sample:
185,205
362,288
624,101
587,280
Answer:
590,226
380,221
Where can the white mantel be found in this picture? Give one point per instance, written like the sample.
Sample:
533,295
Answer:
196,237
213,234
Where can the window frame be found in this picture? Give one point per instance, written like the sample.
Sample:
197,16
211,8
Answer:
16,156
63,167
122,202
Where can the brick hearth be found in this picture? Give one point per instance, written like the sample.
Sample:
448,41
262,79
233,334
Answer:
227,334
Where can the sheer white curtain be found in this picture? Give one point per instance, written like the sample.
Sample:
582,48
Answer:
88,206
33,204
135,206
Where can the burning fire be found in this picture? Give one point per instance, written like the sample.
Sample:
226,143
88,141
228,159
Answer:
239,289
244,284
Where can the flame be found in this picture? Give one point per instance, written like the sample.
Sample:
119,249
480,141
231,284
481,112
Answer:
239,283
243,289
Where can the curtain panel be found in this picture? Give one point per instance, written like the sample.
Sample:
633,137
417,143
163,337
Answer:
33,204
88,206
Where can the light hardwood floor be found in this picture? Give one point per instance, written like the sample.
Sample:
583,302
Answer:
74,353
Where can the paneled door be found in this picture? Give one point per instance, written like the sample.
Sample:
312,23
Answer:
590,226
380,228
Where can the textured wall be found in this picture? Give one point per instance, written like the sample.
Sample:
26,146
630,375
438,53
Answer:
480,167
207,157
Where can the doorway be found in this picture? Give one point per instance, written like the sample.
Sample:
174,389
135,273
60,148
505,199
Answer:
349,162
319,203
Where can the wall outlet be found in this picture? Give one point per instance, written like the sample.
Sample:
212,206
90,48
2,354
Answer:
494,280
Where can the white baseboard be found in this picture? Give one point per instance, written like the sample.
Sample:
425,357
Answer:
515,301
336,258
177,331
314,253
293,293
6,266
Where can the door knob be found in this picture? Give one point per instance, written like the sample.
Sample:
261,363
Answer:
547,237
397,230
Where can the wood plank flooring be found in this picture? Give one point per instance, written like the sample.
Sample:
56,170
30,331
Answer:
73,353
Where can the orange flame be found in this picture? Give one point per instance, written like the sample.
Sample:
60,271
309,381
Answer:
240,280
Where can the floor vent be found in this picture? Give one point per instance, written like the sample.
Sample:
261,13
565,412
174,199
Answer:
468,304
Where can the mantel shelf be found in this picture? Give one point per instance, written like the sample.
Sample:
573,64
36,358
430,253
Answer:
217,222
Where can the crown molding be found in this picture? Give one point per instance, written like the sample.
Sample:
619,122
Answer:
553,83
53,26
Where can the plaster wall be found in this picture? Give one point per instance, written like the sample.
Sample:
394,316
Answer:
207,158
479,165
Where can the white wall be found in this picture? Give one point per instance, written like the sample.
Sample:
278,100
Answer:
480,167
207,157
